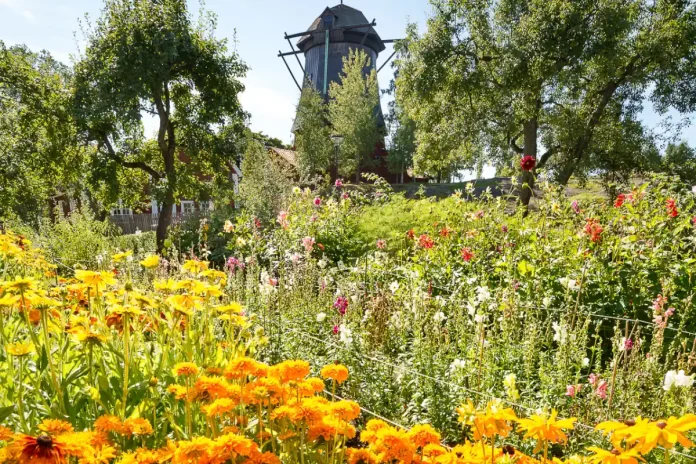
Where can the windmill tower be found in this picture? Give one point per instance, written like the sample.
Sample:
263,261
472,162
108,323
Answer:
328,40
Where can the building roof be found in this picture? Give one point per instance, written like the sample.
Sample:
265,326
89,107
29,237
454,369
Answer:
344,16
289,156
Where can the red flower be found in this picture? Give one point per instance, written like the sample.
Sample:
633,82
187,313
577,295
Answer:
40,450
527,163
445,232
619,200
425,242
467,254
693,220
410,234
381,244
593,229
672,208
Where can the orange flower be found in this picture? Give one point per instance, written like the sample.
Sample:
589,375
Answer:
289,371
230,446
546,428
243,367
361,456
107,423
219,407
55,427
40,450
263,458
211,387
346,410
337,372
185,369
179,391
137,426
422,435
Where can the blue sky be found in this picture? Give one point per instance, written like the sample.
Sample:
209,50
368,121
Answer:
259,25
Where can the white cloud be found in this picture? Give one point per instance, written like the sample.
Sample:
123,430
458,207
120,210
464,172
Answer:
20,7
272,112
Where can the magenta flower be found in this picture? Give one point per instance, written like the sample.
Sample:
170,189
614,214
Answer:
341,304
345,195
504,229
339,183
575,206
335,330
317,201
381,244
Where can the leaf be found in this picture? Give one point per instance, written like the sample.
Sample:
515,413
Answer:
5,412
525,268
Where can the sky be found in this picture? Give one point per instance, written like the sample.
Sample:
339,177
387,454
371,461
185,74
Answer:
255,29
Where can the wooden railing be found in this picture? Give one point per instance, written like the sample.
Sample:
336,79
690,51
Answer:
129,224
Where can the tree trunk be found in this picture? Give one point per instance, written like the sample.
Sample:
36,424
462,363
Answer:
530,149
164,220
357,169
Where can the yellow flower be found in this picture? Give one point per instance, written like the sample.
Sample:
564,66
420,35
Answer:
546,428
184,303
143,300
20,285
19,349
118,257
123,310
467,413
88,335
137,426
55,427
185,369
615,456
150,262
9,300
165,285
103,455
233,307
194,266
95,279
663,433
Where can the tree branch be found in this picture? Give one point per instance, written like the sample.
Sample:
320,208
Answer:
513,143
129,164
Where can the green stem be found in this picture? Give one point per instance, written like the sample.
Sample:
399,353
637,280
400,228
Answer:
20,386
49,356
126,361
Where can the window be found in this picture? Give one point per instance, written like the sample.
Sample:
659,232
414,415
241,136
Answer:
187,207
120,210
206,206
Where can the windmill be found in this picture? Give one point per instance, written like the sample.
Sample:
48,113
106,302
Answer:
328,41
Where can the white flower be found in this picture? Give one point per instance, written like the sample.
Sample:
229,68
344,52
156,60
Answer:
479,318
560,333
346,334
471,308
138,232
296,190
228,227
100,259
457,364
322,263
585,362
321,317
439,317
546,301
394,286
482,294
678,379
510,381
129,258
693,189
570,284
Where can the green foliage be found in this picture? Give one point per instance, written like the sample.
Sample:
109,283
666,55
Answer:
146,56
264,185
314,147
40,157
403,145
680,160
570,75
353,113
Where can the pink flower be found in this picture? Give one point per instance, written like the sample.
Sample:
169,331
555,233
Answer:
341,304
628,344
575,206
283,219
381,244
335,330
504,229
317,201
572,390
669,312
339,183
308,244
657,319
345,195
593,379
257,223
602,389
313,218
693,220
659,303
273,282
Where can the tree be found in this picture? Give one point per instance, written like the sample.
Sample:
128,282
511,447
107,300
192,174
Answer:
489,74
40,158
313,144
264,185
148,57
680,160
353,112
403,144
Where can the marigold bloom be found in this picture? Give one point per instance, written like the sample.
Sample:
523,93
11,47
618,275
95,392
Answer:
137,426
39,450
185,369
243,367
198,449
211,387
55,427
263,458
423,434
108,423
345,410
103,455
615,456
593,229
231,445
337,372
288,371
219,407
179,391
